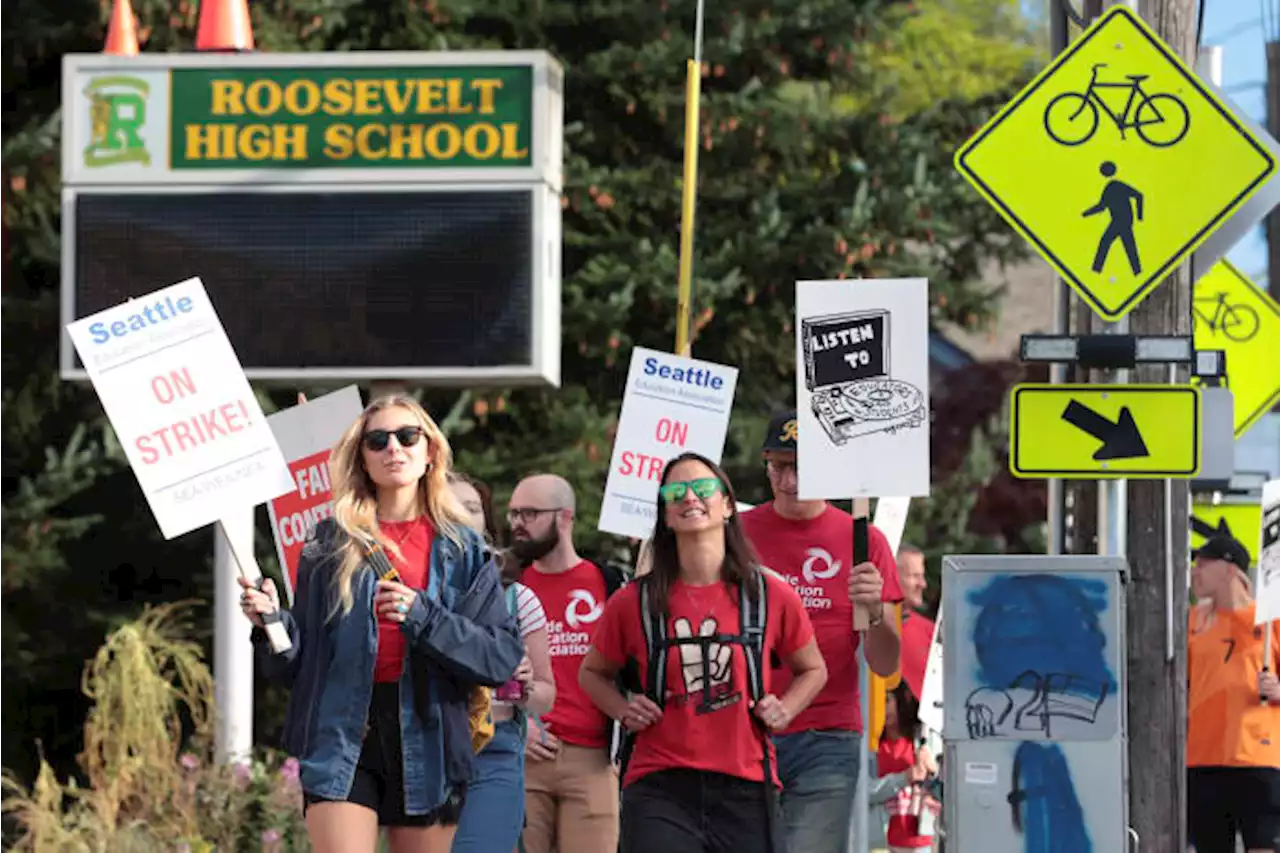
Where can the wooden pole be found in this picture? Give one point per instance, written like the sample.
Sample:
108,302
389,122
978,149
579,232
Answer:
1273,125
1158,551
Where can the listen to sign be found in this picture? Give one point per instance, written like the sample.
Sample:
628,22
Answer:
351,117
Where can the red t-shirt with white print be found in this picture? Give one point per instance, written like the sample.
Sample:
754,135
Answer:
573,601
709,728
815,556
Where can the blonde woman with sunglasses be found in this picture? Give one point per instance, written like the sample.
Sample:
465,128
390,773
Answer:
398,615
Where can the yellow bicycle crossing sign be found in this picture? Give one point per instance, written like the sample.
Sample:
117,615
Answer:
1229,312
1115,162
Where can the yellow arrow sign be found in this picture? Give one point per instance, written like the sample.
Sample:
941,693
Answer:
1230,313
1243,522
1094,432
1115,162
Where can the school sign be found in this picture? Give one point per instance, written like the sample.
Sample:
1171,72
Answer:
167,117
339,175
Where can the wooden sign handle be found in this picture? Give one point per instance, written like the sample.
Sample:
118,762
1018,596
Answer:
861,553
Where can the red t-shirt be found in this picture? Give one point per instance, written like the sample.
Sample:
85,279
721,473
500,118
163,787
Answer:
720,735
573,601
815,556
414,538
896,756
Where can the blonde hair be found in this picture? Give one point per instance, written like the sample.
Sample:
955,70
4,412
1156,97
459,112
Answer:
355,499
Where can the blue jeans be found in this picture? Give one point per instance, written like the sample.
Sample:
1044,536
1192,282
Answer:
819,774
493,812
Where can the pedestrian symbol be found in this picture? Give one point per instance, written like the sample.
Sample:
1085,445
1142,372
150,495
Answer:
1121,202
1175,164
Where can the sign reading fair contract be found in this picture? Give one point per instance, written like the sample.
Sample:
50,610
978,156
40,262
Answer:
307,433
181,406
672,405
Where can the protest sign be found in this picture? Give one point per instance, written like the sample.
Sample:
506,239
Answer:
181,406
671,405
306,434
862,388
931,708
1268,585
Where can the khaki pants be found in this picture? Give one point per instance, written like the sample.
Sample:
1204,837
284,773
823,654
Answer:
571,804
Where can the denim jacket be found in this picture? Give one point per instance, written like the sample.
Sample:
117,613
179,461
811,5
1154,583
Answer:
459,634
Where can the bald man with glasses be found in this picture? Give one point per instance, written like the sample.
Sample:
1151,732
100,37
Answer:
571,785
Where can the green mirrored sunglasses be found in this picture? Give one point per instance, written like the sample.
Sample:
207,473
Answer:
703,488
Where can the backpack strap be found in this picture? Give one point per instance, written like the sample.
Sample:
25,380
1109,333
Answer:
753,616
656,643
513,607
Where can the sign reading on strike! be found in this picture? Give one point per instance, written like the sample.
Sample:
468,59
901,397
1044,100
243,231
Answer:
307,433
672,405
181,406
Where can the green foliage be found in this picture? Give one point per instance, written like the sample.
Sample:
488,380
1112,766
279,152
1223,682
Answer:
945,49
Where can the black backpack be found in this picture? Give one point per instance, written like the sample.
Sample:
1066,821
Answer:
753,616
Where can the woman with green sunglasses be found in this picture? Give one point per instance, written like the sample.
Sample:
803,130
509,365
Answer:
700,776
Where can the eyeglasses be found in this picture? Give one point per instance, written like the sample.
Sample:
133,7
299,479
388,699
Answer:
703,488
524,515
378,439
778,467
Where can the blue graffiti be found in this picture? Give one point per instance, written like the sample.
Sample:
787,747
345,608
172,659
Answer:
1044,624
1045,807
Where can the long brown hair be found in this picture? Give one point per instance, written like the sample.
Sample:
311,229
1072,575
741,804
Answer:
509,570
355,500
740,565
485,494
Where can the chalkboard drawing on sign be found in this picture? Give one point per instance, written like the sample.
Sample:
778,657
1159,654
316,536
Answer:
846,369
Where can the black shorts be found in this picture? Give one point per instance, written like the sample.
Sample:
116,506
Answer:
379,777
1224,801
691,811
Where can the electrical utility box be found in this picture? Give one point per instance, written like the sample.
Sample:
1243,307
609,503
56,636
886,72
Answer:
1034,704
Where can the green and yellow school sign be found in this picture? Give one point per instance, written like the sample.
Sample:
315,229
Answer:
368,118
390,117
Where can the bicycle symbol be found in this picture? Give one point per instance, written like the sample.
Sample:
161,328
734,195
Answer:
1161,120
1238,322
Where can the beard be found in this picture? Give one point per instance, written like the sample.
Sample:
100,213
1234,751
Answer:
528,551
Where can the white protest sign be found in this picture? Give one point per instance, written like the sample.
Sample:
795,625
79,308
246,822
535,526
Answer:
181,406
1268,586
307,433
671,405
930,712
862,388
891,519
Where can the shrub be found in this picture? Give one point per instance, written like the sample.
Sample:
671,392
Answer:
150,779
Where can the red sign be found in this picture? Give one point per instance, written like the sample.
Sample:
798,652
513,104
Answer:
297,513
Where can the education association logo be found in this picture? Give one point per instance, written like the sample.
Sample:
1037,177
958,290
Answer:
117,115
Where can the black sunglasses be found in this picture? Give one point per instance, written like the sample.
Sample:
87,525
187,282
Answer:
407,436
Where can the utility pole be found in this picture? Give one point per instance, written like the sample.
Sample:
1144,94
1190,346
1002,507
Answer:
1080,497
1157,534
1273,126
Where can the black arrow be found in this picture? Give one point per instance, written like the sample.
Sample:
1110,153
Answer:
1120,440
1205,531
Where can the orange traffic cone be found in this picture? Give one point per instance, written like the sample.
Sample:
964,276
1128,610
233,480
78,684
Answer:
224,26
122,32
